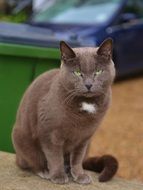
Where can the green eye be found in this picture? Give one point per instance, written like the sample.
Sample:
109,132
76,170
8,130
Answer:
98,72
77,73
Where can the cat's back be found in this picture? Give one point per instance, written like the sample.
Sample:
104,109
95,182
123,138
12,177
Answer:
38,88
42,83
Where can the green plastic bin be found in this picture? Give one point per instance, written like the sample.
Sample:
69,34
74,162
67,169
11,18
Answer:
19,65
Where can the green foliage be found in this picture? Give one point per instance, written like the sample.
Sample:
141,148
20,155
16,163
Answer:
20,17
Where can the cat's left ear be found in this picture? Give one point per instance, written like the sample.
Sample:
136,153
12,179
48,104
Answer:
66,51
106,48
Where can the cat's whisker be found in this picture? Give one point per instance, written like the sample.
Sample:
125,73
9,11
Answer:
69,97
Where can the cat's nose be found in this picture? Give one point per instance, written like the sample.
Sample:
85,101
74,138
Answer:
88,86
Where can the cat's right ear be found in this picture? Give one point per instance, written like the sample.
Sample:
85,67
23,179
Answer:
66,51
105,49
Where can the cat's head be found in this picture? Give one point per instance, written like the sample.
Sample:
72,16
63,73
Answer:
87,71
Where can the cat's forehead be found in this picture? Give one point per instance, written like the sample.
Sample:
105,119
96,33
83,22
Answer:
85,51
87,58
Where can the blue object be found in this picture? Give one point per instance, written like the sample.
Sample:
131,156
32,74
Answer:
88,23
19,5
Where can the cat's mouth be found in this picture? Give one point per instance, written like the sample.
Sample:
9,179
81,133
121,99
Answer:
88,94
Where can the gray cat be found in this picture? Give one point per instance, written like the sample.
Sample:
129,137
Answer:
59,114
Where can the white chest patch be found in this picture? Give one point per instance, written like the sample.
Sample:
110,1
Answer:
90,108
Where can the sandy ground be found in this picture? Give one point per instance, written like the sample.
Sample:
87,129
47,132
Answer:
121,133
12,178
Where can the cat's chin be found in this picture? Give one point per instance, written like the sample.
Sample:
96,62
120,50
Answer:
89,94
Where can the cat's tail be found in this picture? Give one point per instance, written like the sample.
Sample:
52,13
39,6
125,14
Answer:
107,165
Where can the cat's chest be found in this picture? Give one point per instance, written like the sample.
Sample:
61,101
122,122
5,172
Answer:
89,108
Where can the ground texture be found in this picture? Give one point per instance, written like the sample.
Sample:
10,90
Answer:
121,133
12,178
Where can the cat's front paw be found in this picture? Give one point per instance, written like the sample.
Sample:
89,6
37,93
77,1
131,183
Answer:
61,178
83,179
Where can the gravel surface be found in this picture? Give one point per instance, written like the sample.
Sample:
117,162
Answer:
13,178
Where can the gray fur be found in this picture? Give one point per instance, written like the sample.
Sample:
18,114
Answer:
50,128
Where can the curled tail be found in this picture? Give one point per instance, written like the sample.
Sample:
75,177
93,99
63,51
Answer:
107,165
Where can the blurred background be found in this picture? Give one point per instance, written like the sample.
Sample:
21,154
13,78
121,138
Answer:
30,32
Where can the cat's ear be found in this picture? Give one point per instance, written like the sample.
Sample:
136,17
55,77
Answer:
66,51
105,49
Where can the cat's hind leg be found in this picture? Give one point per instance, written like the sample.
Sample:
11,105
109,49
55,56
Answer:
22,163
28,152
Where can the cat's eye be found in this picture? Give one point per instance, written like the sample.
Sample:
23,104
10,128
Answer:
98,72
77,73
